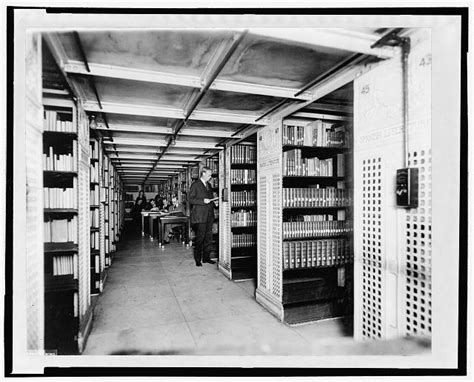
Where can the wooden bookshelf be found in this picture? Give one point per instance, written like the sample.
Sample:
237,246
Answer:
238,222
310,250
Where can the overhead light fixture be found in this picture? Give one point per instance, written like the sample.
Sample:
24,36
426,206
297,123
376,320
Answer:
92,122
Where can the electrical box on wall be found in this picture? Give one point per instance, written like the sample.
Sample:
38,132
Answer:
225,195
407,187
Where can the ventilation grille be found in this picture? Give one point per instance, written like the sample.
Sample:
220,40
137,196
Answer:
372,248
418,250
262,232
276,237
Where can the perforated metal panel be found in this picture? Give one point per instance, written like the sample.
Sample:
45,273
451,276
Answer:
276,215
34,197
84,214
418,250
372,248
224,214
262,233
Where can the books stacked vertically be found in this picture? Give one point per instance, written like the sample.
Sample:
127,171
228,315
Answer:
65,265
57,121
94,217
95,240
94,195
244,240
94,149
314,228
214,182
316,253
213,164
246,198
60,162
61,230
243,218
295,165
316,197
243,176
60,197
94,173
243,154
316,133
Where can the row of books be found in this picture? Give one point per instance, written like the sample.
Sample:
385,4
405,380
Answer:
96,265
244,240
94,195
95,240
214,182
303,229
94,172
243,218
243,154
316,253
295,165
61,230
95,217
54,121
243,198
317,217
60,197
65,265
316,133
213,164
60,162
94,149
243,176
317,197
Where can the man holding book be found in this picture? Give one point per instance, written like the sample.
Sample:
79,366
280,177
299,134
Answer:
201,199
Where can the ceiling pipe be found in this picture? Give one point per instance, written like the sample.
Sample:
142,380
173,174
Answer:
214,72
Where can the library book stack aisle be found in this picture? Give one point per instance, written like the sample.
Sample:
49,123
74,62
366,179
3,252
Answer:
305,226
66,226
238,212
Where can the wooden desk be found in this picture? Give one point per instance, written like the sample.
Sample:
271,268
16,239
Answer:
162,221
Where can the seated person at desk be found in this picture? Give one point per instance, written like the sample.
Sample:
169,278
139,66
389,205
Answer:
159,201
176,209
152,206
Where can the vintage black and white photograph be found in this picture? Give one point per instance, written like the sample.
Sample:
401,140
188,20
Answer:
240,189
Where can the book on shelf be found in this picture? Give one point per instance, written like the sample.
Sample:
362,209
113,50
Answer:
316,197
315,228
58,121
94,214
94,149
95,240
61,230
316,253
295,165
243,154
94,195
243,176
317,133
243,240
94,173
243,218
65,265
60,162
243,198
60,197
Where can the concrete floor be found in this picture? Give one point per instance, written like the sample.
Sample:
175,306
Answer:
156,301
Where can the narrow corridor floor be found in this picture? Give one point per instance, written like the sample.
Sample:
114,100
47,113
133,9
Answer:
156,301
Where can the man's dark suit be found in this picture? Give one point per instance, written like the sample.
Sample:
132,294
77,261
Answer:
202,219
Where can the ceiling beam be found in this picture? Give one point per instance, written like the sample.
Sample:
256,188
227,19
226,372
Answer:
212,131
336,38
166,112
113,71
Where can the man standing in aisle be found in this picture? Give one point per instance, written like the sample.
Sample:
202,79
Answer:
202,216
